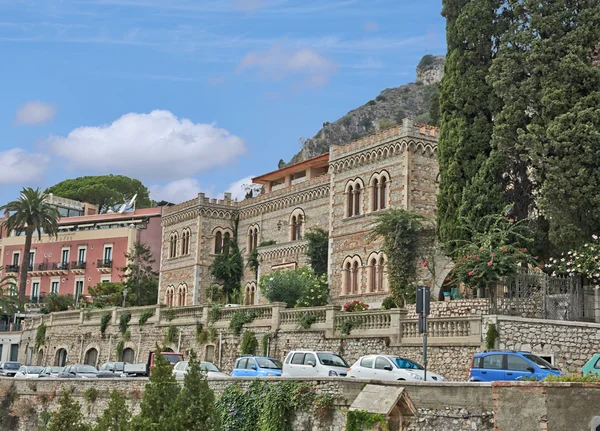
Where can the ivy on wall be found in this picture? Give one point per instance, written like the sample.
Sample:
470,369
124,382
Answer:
361,420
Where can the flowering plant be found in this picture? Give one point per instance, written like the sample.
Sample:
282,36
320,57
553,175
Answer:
356,305
584,261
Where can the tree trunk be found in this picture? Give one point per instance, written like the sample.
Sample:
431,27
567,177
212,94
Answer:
25,262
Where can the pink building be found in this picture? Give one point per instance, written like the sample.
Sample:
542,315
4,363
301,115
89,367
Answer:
89,249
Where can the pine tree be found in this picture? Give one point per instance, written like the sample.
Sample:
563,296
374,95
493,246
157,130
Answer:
116,416
157,409
196,408
68,417
465,112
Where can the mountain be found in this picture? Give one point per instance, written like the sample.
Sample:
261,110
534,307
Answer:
416,100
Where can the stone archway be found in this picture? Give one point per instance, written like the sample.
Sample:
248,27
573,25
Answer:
60,358
91,357
128,355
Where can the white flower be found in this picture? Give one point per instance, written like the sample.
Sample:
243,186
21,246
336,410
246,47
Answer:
563,259
595,236
570,252
578,266
585,245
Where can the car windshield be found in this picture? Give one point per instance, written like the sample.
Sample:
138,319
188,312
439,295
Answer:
405,363
53,369
86,369
332,360
34,370
209,366
542,363
12,365
173,358
272,364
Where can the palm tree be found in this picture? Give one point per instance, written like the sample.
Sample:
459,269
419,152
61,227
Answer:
9,303
30,213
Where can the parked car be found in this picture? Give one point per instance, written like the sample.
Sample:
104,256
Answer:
28,372
592,366
310,363
210,369
509,365
390,367
78,371
9,368
124,369
256,366
51,372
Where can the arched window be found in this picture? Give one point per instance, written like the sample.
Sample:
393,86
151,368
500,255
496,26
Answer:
352,275
249,293
297,220
376,272
181,295
353,197
373,276
169,294
218,242
226,239
91,357
60,360
129,355
173,244
379,188
185,242
209,353
375,195
255,237
380,274
348,278
355,277
383,193
252,238
350,201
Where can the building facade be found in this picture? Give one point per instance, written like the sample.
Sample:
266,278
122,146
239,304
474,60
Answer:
89,249
341,192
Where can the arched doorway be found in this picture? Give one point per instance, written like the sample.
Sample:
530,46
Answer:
40,357
60,360
128,356
91,357
168,349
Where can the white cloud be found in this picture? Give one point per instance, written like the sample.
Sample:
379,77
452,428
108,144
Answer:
237,189
154,145
370,26
19,166
34,113
282,61
176,191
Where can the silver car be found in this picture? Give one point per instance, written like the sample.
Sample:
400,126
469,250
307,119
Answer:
311,363
390,367
29,372
211,370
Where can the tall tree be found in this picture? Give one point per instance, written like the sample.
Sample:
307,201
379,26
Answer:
116,416
464,103
68,417
318,248
228,266
30,213
109,192
139,277
196,408
8,295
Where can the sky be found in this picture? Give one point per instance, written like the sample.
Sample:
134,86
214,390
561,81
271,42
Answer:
191,96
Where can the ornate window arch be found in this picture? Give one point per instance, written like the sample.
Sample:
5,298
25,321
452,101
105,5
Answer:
354,197
352,275
297,222
129,355
181,294
221,238
173,240
377,272
250,293
379,191
170,295
91,357
253,237
185,241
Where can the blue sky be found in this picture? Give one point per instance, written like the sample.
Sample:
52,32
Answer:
191,95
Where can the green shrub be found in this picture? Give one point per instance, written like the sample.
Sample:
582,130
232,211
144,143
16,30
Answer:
40,335
307,320
119,350
214,314
359,420
170,335
124,319
144,316
249,344
127,335
55,302
169,314
388,303
371,103
588,378
491,336
104,321
298,287
381,98
91,395
239,318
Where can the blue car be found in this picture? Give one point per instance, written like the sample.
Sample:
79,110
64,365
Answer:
510,365
256,366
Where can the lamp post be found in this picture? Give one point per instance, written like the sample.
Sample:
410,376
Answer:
124,297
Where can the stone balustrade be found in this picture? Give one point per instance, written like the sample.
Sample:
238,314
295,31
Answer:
443,331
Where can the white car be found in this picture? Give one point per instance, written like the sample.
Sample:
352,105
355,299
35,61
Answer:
210,369
310,363
29,372
390,367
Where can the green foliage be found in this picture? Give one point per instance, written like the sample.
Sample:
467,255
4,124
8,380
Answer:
55,302
346,327
108,295
389,303
403,233
201,335
40,335
307,320
9,302
249,345
427,61
68,417
317,251
386,124
228,267
381,98
361,420
195,405
144,316
371,103
158,407
588,378
119,350
170,334
299,287
582,261
139,276
267,243
491,336
90,395
10,397
116,416
239,318
31,213
124,319
264,344
169,314
127,335
252,262
214,314
104,321
106,191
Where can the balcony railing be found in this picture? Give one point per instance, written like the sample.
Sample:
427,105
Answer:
12,268
64,266
105,263
36,299
77,265
10,327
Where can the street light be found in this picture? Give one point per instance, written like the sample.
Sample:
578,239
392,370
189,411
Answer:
124,297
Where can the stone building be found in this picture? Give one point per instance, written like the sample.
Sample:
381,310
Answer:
340,192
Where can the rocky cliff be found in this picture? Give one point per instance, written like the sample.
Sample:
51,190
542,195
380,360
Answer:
414,100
